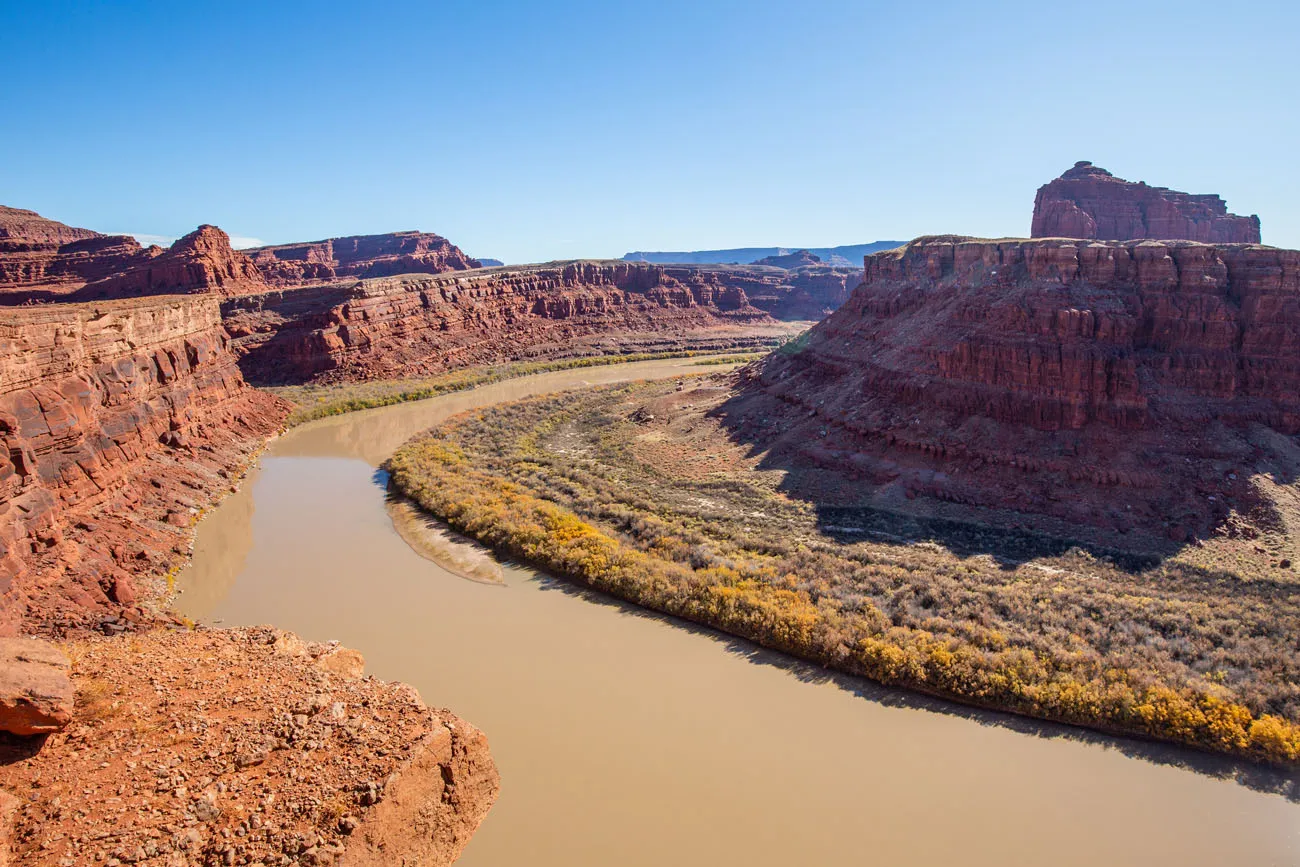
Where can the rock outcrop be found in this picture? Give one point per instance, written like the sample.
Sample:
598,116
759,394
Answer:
359,256
35,690
803,294
1080,387
421,324
18,224
120,421
41,257
244,746
53,262
201,262
797,259
1089,202
45,260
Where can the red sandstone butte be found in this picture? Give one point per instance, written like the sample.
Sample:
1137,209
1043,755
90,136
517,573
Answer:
1083,388
202,261
359,256
1089,202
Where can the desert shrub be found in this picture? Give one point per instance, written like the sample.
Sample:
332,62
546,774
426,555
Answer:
1172,653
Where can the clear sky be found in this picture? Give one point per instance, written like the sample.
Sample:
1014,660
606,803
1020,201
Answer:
529,131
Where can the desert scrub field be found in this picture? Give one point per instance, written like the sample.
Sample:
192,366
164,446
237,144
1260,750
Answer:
320,401
637,491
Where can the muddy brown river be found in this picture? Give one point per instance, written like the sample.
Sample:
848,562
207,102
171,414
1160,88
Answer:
624,738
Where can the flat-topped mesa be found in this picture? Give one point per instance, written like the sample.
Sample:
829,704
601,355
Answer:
999,373
1089,202
359,256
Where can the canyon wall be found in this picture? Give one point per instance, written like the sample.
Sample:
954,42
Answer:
120,421
42,259
359,256
420,324
38,253
806,293
44,266
1083,385
1089,202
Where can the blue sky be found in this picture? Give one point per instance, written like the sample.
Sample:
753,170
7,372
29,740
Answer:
533,131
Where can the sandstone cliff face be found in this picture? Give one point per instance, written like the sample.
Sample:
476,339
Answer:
56,262
1089,202
416,324
119,421
359,256
23,225
1112,386
37,253
805,293
202,261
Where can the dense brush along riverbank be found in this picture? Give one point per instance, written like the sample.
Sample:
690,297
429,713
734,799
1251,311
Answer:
638,491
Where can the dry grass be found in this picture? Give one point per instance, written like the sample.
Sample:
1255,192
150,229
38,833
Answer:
637,491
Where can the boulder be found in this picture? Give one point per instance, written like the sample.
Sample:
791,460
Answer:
35,687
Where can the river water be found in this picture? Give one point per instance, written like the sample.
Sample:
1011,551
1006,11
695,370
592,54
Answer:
624,738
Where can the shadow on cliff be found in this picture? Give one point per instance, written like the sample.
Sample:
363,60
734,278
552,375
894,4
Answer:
847,510
1258,777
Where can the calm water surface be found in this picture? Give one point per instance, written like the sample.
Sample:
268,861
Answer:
629,739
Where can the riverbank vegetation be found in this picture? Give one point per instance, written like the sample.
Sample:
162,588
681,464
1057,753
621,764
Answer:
638,492
321,401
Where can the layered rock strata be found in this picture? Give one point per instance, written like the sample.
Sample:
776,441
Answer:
46,267
1089,202
243,746
119,422
420,324
1079,387
201,262
359,256
19,224
806,293
41,257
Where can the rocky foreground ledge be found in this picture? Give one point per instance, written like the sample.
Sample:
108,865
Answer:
241,746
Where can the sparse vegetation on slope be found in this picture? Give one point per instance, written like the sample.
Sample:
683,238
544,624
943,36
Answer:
638,492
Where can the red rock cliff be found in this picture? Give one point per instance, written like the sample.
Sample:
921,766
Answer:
1103,385
44,260
119,421
420,324
359,256
1089,202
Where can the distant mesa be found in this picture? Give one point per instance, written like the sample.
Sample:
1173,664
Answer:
45,260
797,259
19,224
1089,202
848,256
361,256
490,263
